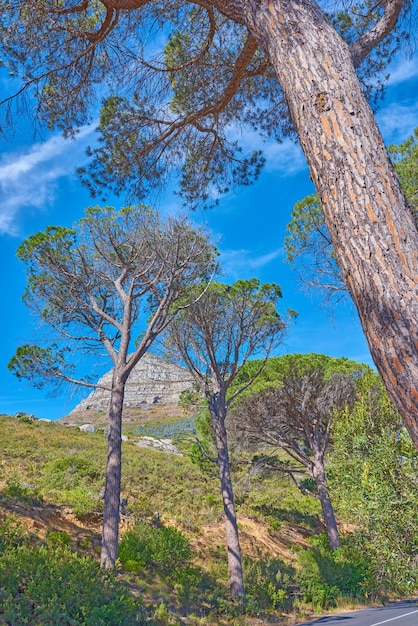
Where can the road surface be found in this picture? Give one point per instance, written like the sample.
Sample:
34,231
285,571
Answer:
397,614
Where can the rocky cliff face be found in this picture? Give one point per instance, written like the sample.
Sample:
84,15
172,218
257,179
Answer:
152,381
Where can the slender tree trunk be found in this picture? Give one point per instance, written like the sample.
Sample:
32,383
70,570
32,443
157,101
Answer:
110,532
370,225
236,579
318,473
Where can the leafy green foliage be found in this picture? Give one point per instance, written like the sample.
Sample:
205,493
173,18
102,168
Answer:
269,584
327,575
160,548
71,471
49,584
405,160
277,368
190,398
20,492
39,365
373,472
58,538
75,481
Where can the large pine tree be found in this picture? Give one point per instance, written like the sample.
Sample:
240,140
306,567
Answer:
224,61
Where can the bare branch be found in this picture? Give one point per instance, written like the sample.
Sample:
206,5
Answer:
362,47
207,456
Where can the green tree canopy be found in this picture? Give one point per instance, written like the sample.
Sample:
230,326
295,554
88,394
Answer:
215,338
162,107
278,367
114,276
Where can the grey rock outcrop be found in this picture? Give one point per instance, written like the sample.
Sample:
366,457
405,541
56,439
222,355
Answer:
88,428
152,381
163,445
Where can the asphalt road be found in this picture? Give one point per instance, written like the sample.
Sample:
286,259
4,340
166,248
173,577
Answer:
397,614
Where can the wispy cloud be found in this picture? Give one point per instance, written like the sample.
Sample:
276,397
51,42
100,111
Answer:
242,263
397,121
28,179
403,70
285,158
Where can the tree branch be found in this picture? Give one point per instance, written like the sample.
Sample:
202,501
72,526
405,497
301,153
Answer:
203,451
363,46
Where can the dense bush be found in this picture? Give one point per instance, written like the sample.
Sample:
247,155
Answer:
70,471
327,575
74,480
269,584
166,551
372,478
162,548
48,584
26,494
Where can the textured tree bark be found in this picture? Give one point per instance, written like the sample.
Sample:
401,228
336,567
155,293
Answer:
318,473
110,531
236,579
371,228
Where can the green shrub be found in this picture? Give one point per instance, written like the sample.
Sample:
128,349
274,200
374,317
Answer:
69,472
11,534
58,538
328,574
81,500
161,548
392,565
372,479
25,418
269,585
15,490
49,584
74,480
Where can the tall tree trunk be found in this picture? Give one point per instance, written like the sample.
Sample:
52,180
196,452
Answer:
110,532
318,473
236,580
370,225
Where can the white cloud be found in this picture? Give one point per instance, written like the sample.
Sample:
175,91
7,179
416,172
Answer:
264,259
285,158
403,70
397,121
28,179
242,263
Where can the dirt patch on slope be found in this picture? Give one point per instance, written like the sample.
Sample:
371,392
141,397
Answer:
256,539
43,518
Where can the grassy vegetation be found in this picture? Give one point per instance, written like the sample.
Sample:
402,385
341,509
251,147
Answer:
172,565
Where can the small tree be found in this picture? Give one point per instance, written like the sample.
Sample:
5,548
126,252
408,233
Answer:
214,338
93,285
296,416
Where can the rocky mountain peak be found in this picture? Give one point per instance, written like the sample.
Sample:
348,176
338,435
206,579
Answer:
153,381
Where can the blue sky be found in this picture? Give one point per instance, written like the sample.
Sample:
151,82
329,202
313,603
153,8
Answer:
39,187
